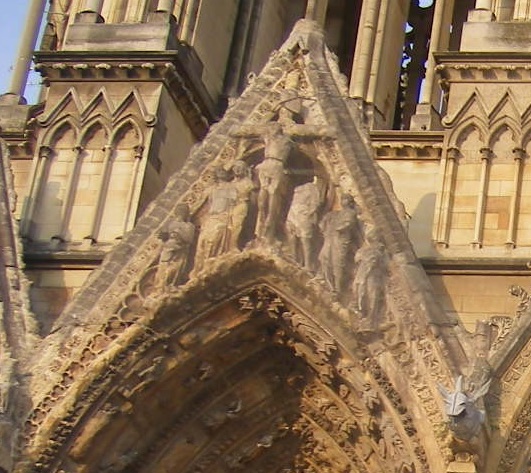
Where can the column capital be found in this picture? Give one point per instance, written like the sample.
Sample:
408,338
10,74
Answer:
453,153
486,154
139,151
519,154
45,151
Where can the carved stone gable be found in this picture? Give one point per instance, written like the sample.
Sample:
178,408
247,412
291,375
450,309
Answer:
267,313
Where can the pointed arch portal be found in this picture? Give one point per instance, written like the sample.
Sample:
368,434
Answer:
263,379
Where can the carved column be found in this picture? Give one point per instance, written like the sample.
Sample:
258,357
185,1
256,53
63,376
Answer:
519,156
426,116
447,191
316,10
166,6
482,12
376,64
102,193
484,5
37,184
522,10
139,151
70,192
189,21
93,6
486,155
90,12
364,49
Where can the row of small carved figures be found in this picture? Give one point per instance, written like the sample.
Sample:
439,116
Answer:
325,245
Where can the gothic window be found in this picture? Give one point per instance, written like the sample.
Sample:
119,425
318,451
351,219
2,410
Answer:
86,182
119,185
500,188
466,181
55,164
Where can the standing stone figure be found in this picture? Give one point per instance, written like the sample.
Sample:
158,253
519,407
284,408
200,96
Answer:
273,182
340,233
245,187
302,223
369,280
215,237
175,250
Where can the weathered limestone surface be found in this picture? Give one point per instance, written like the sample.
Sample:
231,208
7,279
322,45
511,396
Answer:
347,344
267,312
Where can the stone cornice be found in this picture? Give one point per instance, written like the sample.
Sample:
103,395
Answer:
175,69
457,265
483,67
407,145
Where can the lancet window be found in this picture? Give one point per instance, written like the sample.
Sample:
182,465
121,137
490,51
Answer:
85,191
486,181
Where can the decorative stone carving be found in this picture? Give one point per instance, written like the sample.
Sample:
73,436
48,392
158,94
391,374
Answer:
245,187
465,417
370,279
273,182
341,233
523,295
215,237
302,223
173,258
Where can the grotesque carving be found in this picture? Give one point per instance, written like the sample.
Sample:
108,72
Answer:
302,223
215,238
464,416
173,258
340,232
273,182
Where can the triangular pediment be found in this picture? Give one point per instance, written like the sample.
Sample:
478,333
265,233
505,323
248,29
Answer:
283,193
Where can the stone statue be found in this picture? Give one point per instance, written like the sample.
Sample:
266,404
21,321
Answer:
464,416
340,232
215,237
244,186
273,182
302,223
369,279
174,255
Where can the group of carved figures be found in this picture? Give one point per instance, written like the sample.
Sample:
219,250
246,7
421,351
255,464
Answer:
327,245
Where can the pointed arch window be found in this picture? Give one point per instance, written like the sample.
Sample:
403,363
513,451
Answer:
54,164
85,182
119,185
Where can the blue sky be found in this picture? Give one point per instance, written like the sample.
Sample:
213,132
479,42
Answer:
11,25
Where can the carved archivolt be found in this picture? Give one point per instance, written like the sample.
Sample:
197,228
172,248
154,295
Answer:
256,364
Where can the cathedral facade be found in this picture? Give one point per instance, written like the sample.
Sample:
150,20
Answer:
268,236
